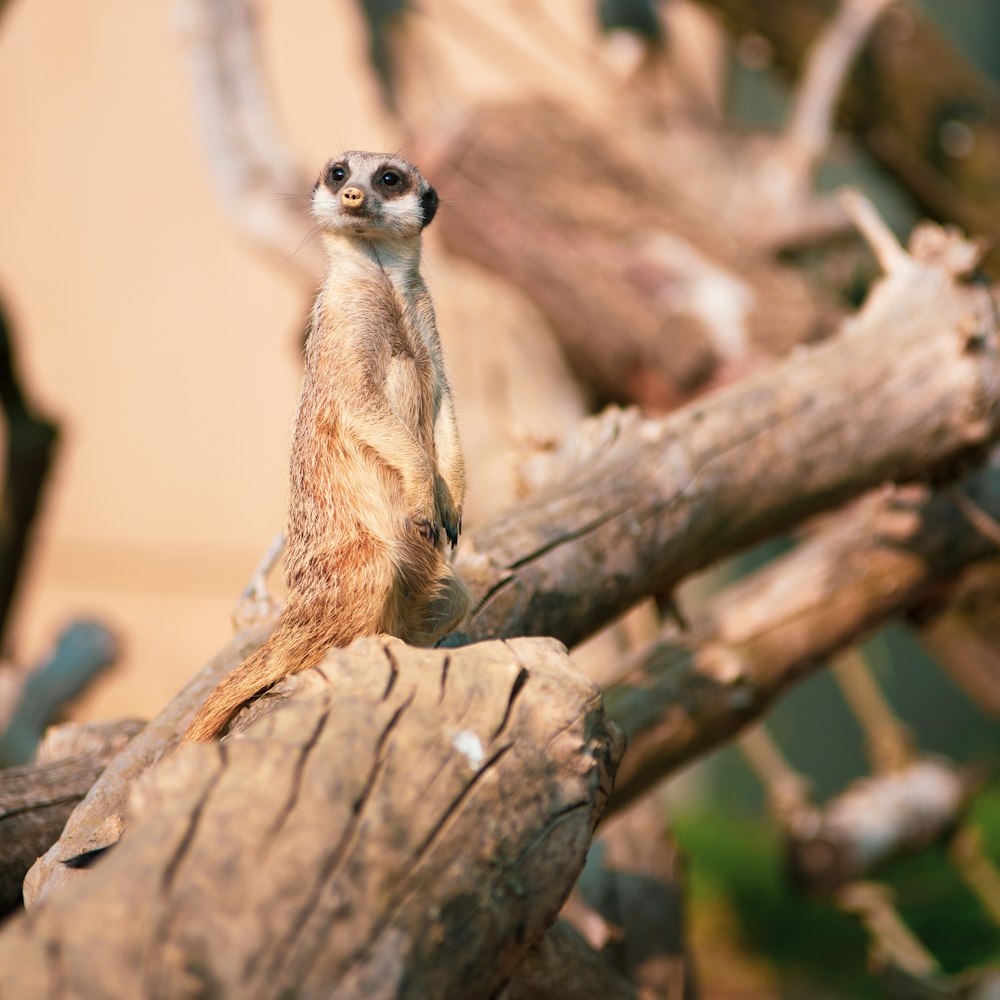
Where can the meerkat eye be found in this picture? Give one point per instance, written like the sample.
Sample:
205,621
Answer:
390,178
337,173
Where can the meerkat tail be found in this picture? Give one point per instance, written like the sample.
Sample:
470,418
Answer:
295,645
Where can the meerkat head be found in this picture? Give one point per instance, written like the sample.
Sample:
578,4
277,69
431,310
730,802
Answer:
375,196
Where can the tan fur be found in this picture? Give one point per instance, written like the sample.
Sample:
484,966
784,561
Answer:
377,474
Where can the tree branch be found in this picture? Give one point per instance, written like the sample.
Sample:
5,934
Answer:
258,180
368,817
37,799
895,553
909,391
910,92
31,445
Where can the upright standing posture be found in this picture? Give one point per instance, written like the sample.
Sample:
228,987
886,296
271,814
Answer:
377,474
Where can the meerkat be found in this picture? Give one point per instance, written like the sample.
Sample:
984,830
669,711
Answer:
377,472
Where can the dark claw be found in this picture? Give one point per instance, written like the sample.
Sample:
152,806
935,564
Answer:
429,531
452,534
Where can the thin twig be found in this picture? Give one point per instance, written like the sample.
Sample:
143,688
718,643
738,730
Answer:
889,252
890,744
978,872
814,103
255,603
894,942
254,170
787,789
975,515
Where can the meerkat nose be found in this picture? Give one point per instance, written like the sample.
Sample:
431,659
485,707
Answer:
352,197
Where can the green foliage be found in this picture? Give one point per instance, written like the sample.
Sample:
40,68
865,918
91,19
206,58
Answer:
741,861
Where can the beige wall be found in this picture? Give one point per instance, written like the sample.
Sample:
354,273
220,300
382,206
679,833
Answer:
166,349
165,346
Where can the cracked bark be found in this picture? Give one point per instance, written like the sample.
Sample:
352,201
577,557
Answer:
909,390
897,552
356,830
37,799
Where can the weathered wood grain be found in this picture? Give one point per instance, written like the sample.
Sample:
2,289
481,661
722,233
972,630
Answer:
900,551
909,390
406,825
37,799
97,821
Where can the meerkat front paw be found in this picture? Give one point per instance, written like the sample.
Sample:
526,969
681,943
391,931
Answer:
429,530
451,520
449,515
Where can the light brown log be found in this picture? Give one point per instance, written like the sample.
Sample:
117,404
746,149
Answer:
395,823
894,553
37,799
648,299
910,390
874,820
98,820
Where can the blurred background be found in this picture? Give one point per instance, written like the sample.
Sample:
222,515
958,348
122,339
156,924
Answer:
156,271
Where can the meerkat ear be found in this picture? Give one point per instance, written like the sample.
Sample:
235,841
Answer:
429,204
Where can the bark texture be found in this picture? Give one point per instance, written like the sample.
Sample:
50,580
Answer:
403,808
98,820
909,390
37,799
913,99
648,299
895,553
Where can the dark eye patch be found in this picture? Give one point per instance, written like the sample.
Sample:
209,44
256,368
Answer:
392,182
336,174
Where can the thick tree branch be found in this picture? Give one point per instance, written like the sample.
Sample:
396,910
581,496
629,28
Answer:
398,804
895,553
910,390
37,799
98,820
257,178
916,102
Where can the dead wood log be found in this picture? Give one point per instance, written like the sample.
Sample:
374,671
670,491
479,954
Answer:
98,820
876,819
910,390
372,819
647,298
894,553
37,799
914,100
563,965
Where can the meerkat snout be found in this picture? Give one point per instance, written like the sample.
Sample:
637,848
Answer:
352,197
